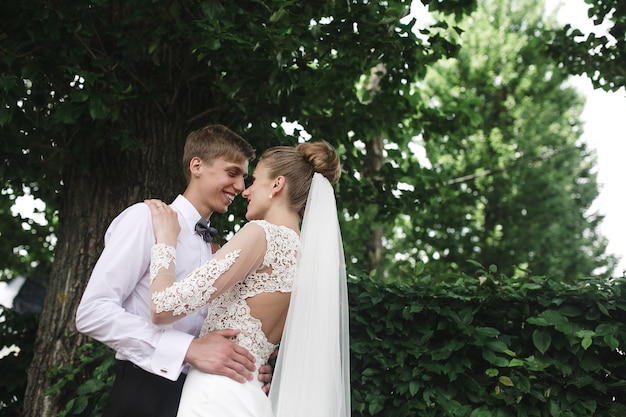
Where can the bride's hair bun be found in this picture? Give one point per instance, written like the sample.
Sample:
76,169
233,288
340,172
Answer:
323,158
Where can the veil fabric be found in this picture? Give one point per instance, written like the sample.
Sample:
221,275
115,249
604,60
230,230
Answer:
312,373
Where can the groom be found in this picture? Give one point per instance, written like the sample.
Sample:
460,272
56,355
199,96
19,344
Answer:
151,360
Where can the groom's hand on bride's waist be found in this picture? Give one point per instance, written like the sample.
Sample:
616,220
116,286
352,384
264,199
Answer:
216,353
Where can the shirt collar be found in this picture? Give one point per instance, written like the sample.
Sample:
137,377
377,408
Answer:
187,211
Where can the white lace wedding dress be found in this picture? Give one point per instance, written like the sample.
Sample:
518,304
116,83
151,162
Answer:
214,395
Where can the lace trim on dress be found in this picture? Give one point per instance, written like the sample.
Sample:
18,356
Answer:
188,295
162,256
228,311
231,311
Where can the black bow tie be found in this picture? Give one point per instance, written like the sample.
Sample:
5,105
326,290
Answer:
203,229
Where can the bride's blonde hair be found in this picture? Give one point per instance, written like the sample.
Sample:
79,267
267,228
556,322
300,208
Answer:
298,164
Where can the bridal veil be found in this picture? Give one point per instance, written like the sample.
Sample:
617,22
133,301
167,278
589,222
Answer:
312,374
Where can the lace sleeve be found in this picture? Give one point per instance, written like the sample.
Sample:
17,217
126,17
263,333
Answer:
162,259
186,296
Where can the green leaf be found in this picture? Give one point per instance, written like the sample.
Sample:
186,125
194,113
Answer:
497,346
604,329
98,110
570,311
505,380
481,412
90,386
611,342
80,405
537,321
375,405
602,308
585,333
487,331
542,340
553,317
276,16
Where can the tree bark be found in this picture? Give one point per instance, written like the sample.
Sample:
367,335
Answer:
90,201
373,164
371,170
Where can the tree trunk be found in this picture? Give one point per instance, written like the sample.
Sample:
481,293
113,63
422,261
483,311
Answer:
90,201
373,164
371,170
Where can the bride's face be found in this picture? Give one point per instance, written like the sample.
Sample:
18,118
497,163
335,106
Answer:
258,194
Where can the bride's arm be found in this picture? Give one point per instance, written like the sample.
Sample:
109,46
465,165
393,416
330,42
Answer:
169,299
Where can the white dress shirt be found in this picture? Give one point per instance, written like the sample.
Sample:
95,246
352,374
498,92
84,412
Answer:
115,308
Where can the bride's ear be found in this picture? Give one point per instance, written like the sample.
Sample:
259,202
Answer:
279,184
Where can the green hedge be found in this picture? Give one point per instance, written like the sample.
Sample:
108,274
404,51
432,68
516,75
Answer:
458,346
480,347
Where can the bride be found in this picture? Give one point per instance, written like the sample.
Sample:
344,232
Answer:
276,285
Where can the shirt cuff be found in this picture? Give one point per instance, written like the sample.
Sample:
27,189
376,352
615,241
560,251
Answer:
169,356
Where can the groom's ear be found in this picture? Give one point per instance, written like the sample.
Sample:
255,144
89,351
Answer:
194,166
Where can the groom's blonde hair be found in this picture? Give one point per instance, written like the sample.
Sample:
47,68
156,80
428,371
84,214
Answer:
212,142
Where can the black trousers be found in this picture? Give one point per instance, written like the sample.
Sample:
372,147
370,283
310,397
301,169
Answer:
138,393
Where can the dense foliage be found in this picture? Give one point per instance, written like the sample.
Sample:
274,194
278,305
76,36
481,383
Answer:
469,346
487,345
514,181
601,55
